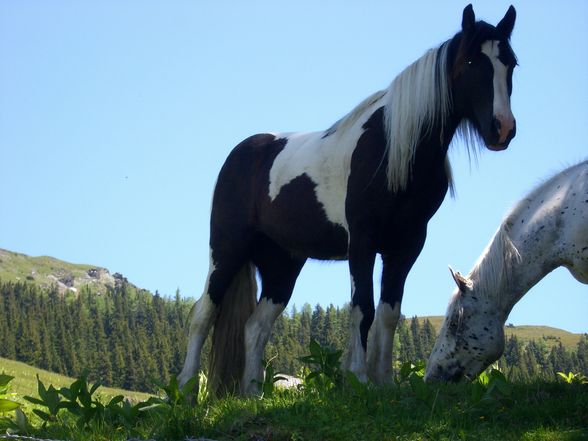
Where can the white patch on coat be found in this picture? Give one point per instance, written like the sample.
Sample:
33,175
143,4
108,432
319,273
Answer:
356,362
502,110
417,99
201,318
257,332
380,342
325,160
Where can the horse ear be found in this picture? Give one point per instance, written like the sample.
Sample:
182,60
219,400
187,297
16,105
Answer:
507,23
469,19
462,283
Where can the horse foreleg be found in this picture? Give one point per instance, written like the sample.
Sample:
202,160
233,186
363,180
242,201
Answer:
257,333
356,360
380,342
395,269
361,266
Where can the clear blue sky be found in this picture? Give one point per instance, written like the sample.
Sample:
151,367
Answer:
115,118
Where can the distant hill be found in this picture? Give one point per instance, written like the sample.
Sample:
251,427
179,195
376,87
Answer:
550,336
47,271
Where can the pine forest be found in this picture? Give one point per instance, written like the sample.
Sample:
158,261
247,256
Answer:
127,337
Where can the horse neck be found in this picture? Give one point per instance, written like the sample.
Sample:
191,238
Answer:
517,258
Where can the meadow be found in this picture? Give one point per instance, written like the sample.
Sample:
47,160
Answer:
329,405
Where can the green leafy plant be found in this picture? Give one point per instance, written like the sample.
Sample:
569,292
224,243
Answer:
490,390
169,411
6,405
48,398
573,378
408,370
176,395
324,367
270,378
414,375
80,401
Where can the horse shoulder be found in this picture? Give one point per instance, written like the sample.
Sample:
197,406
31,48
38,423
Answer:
325,161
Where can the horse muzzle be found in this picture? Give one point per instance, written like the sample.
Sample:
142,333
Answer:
504,130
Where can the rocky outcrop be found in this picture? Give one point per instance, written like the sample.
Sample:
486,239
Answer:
48,272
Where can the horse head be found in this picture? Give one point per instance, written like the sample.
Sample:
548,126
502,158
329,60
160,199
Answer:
482,69
471,337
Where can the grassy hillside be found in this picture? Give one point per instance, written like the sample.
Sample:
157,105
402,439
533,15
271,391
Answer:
25,381
550,336
48,271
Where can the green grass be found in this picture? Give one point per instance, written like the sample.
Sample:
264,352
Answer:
17,266
539,412
490,409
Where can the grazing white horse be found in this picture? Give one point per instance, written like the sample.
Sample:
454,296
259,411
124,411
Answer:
546,230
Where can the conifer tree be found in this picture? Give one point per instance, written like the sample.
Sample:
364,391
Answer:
582,353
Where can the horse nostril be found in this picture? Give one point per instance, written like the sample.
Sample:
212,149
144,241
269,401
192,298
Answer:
497,124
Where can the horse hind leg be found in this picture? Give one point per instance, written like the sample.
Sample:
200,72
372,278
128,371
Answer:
206,311
278,271
201,318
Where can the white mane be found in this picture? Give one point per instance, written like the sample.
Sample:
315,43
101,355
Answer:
417,99
493,268
349,119
492,273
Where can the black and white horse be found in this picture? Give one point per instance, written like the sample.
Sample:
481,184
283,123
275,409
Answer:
368,185
546,229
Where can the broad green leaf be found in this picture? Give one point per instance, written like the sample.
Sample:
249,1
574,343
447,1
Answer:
5,379
94,388
22,422
115,400
8,405
41,388
34,400
43,415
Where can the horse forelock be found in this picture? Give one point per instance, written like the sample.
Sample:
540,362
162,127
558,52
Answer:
417,99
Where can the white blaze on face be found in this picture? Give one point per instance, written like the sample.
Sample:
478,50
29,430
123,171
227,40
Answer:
502,111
